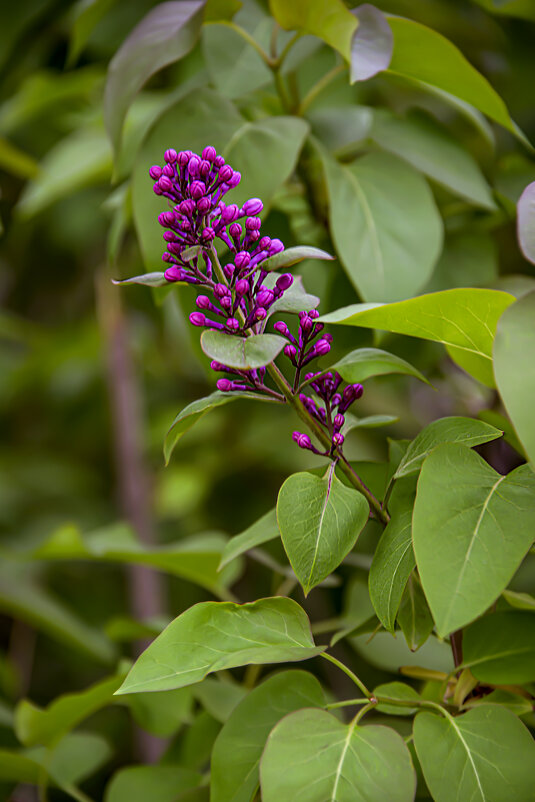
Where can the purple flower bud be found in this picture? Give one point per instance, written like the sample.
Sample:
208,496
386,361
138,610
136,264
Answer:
183,157
282,328
253,206
313,314
221,290
174,274
358,389
253,223
303,441
284,281
197,319
203,302
170,155
338,439
204,168
156,189
296,436
155,172
219,161
242,259
235,231
225,385
176,248
235,180
169,171
166,257
339,420
225,173
322,347
232,324
254,236
335,400
217,365
228,270
290,351
194,165
226,302
265,298
275,247
186,207
260,313
165,184
306,323
229,214
209,153
166,219
169,236
196,190
242,286
208,234
264,243
327,336
319,327
204,204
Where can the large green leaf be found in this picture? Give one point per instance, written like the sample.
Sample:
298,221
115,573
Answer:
311,755
485,755
385,225
244,353
265,153
163,36
468,431
513,367
426,145
239,746
157,783
220,635
320,520
363,363
464,320
500,648
471,529
329,20
262,531
162,714
392,565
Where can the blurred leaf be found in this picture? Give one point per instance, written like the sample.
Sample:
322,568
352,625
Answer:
234,66
363,363
398,691
392,653
166,34
349,761
222,635
513,368
526,222
148,279
245,353
428,147
384,223
521,601
499,648
87,15
330,20
157,783
79,160
292,256
262,531
162,714
414,618
468,260
523,9
238,747
485,754
358,609
76,757
454,429
17,162
219,697
368,422
215,10
519,705
466,560
340,129
371,44
464,320
392,565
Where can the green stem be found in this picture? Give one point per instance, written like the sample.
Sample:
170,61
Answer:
362,713
322,84
347,703
249,39
286,49
352,676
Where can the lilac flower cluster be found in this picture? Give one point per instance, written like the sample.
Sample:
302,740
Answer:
240,299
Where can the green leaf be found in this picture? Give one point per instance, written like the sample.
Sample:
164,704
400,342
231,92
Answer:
294,300
486,755
189,416
329,20
222,635
521,601
320,520
468,431
16,161
427,146
79,160
500,648
384,223
201,117
517,704
245,353
87,15
235,67
371,44
400,692
216,10
391,653
162,714
358,609
166,34
471,528
469,259
423,54
312,755
262,531
369,422
265,153
292,256
218,696
157,783
513,368
414,618
239,746
148,279
361,364
464,320
35,725
341,129
391,567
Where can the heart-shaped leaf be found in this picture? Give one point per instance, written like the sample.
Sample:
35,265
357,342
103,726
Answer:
245,353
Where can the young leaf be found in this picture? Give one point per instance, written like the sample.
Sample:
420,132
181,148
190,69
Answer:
312,755
392,565
166,34
500,648
371,44
384,223
244,353
363,363
239,746
320,520
294,300
329,20
263,530
471,528
464,320
189,416
148,279
157,783
292,256
513,367
414,618
222,635
521,601
486,755
468,431
517,704
400,692
526,222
